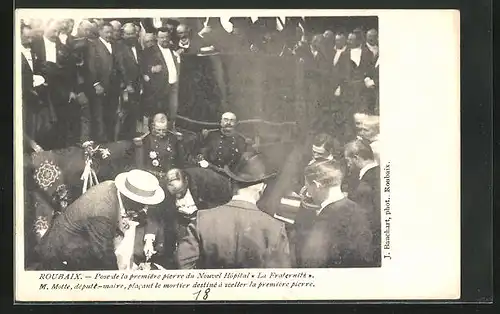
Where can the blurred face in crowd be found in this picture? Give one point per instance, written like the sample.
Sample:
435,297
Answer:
149,40
228,122
159,125
182,31
37,27
134,210
176,183
328,34
352,160
316,190
106,33
367,131
319,152
67,26
117,30
27,35
85,29
51,31
165,40
372,37
353,41
130,34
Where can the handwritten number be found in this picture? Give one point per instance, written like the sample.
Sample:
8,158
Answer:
197,293
206,294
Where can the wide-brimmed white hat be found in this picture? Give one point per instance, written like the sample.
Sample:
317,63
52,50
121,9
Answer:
140,186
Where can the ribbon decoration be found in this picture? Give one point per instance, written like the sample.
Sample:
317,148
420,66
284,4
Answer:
89,175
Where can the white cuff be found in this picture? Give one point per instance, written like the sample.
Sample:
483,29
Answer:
149,236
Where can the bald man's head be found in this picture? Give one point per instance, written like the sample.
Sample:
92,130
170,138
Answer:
176,182
159,125
130,34
358,154
51,30
340,41
372,37
183,31
117,30
149,40
228,122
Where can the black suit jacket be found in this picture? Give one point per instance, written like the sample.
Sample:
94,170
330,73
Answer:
128,66
157,87
27,77
101,64
367,195
60,75
340,236
358,72
341,70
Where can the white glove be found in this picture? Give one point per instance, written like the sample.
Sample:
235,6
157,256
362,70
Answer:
369,82
337,91
203,163
149,250
38,80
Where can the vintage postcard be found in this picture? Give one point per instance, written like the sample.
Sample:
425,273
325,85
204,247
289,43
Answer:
237,155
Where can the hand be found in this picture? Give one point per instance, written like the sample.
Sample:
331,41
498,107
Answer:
99,90
72,96
203,163
337,91
149,250
130,89
369,83
146,78
156,69
38,80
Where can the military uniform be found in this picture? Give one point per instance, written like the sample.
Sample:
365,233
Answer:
221,150
158,155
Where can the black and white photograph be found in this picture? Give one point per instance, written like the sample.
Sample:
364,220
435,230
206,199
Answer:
158,143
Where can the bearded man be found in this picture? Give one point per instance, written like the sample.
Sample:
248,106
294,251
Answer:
224,146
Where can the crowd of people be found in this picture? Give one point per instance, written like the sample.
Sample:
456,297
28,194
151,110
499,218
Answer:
202,206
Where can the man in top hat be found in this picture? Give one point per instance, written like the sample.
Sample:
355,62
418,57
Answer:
98,230
224,146
249,237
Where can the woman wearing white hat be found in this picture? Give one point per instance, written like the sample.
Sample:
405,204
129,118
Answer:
97,231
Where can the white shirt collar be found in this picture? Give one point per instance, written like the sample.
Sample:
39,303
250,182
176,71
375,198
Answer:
107,44
366,168
244,199
335,196
329,158
48,42
341,49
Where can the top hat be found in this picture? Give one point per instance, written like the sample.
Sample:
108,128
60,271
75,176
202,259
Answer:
250,169
140,186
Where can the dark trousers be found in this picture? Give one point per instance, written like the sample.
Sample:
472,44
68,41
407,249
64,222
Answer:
103,116
126,126
166,101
